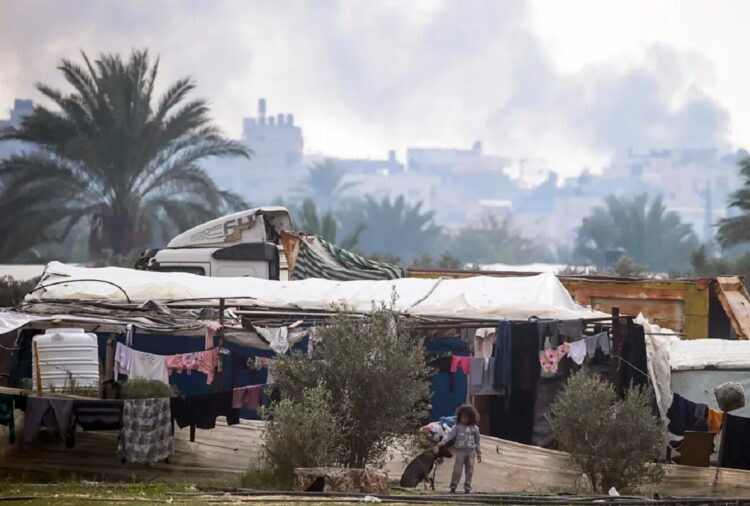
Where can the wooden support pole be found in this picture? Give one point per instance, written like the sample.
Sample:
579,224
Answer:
109,366
219,380
37,367
615,350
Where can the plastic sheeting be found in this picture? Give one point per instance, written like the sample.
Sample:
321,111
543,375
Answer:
513,298
659,343
698,354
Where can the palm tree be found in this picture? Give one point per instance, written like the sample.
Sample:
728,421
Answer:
324,183
393,227
650,235
325,226
113,153
736,230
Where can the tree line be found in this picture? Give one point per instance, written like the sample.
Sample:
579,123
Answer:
112,168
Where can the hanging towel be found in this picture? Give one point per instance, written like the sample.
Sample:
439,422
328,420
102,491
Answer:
98,414
577,351
483,378
212,330
7,416
146,434
463,363
247,397
277,338
600,340
484,340
201,361
139,364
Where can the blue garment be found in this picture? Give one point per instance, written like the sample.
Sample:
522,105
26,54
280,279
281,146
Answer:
450,421
503,358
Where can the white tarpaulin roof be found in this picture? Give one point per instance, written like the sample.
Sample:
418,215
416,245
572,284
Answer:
709,354
512,298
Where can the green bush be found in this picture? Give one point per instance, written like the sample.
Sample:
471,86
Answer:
614,442
375,375
300,432
141,388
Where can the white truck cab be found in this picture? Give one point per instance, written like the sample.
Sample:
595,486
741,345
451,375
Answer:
247,243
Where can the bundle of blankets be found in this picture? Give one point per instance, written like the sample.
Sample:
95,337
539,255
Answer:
423,467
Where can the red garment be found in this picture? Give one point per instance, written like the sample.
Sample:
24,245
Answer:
201,361
246,397
463,363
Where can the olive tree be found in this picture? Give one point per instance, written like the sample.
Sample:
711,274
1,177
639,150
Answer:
614,442
376,377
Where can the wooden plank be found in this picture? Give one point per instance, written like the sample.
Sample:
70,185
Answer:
226,452
734,299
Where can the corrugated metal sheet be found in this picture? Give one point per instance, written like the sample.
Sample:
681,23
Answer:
734,299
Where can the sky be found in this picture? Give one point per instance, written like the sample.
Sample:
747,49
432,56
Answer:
572,82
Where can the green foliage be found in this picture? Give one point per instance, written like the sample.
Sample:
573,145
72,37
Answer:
301,431
325,225
707,266
496,242
12,291
626,267
446,261
324,185
392,227
112,152
736,229
613,442
141,388
376,376
650,235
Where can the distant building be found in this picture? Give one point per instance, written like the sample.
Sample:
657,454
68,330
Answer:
276,163
21,108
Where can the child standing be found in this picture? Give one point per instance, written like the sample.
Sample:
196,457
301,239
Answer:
467,447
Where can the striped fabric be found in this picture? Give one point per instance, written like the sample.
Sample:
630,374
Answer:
318,258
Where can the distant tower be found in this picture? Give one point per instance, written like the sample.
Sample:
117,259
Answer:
708,219
262,111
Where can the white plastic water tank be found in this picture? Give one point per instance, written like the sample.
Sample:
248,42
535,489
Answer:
66,356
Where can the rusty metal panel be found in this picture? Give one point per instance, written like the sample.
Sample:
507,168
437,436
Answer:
736,303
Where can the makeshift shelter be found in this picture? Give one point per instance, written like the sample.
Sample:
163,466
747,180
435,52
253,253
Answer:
169,313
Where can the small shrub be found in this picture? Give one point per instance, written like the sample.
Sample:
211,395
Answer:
141,388
300,432
614,442
376,377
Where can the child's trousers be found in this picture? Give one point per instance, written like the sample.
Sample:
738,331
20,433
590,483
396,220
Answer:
464,461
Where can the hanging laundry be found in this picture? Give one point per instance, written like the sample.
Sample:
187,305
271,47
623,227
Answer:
482,378
277,338
7,416
548,332
212,330
247,397
503,357
53,414
201,361
146,434
686,415
463,363
313,338
715,419
735,443
484,340
577,352
600,341
201,411
98,414
139,364
549,358
573,329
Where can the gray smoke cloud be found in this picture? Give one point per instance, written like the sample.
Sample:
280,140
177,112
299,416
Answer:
363,77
